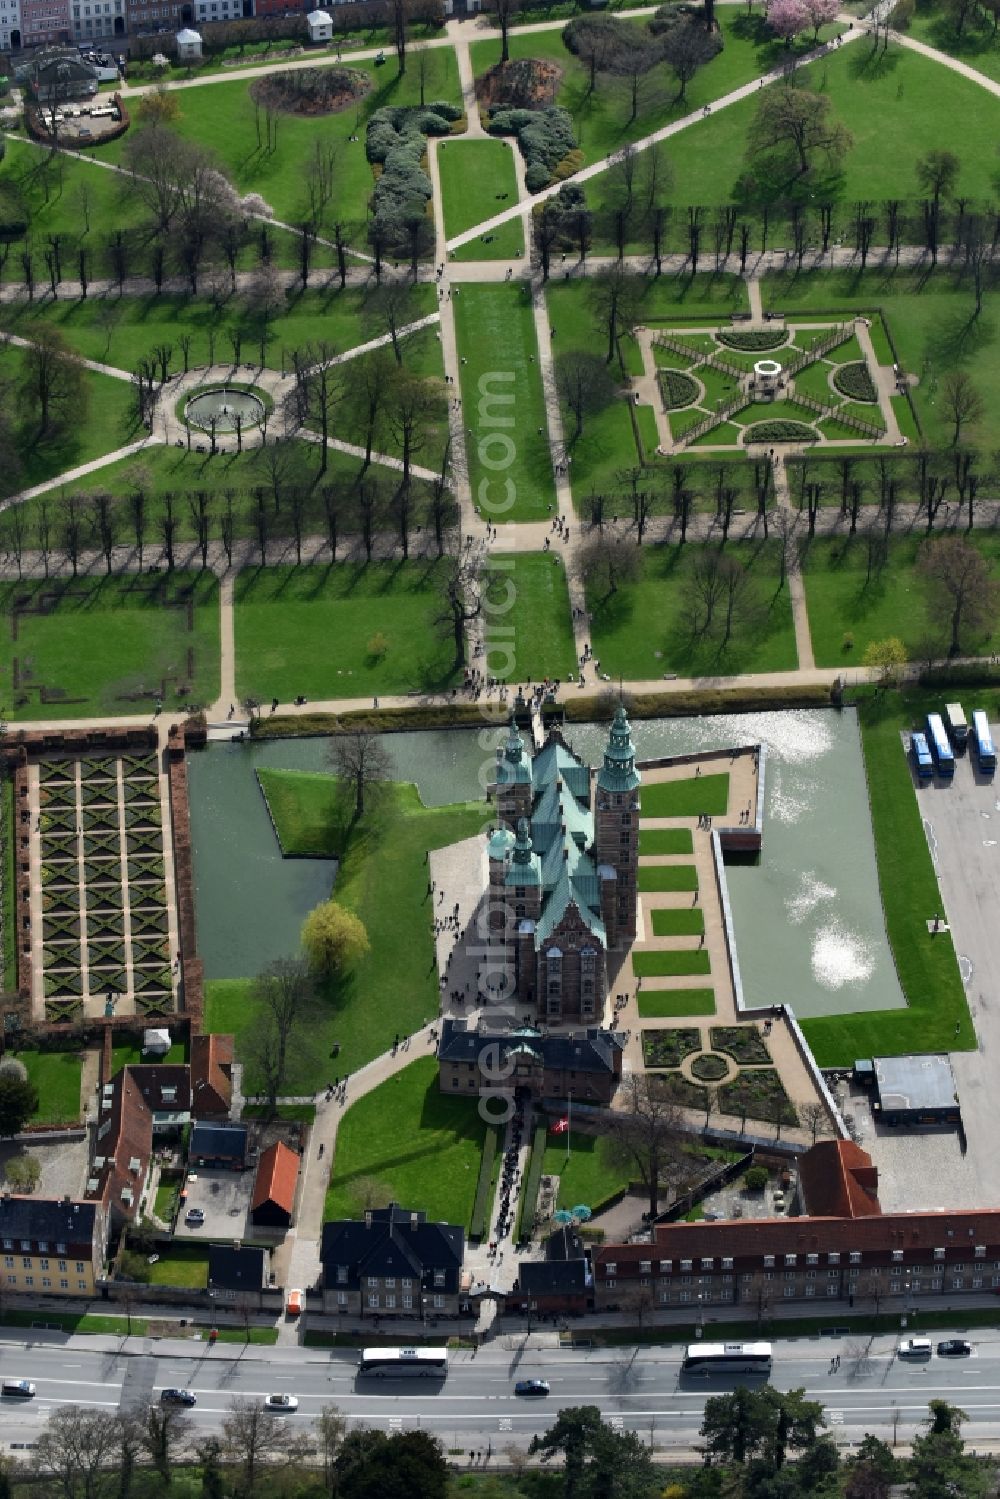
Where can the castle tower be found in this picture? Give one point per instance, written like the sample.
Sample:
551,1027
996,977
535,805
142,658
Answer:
616,832
512,786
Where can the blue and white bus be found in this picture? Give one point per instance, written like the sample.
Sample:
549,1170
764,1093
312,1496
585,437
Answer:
986,754
940,745
922,757
727,1358
396,1363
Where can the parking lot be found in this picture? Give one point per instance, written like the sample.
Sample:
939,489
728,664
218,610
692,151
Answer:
962,823
224,1197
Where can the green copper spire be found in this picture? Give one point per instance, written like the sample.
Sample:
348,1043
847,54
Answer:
618,773
512,762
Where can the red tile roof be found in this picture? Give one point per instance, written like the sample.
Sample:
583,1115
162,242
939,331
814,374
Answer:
838,1180
211,1076
123,1145
277,1174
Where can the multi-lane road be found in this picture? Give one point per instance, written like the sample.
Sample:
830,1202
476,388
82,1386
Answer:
475,1408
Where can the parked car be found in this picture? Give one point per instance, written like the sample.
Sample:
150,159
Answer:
954,1348
281,1402
178,1397
194,1217
531,1387
915,1348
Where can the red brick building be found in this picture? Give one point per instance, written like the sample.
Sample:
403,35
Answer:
851,1251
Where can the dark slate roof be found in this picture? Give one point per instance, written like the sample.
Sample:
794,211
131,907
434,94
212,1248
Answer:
552,1277
236,1268
393,1241
564,1244
219,1140
592,1050
51,1219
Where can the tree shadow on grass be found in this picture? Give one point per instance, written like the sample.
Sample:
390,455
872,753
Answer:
956,337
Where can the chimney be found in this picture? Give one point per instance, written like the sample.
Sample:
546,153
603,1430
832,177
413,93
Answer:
413,1222
368,1217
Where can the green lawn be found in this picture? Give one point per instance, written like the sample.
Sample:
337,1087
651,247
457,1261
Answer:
650,965
229,483
111,645
383,878
602,116
510,465
590,1175
527,625
931,320
56,1075
656,624
222,114
847,606
668,877
122,330
381,617
670,1004
103,424
181,1266
978,45
131,1056
478,181
687,797
665,840
677,921
422,1148
896,109
928,971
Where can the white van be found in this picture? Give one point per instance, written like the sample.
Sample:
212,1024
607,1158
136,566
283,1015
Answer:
17,1389
915,1348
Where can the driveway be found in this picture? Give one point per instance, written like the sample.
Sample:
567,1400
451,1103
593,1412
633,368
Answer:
224,1197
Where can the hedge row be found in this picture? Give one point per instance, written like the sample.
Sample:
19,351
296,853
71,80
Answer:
396,140
480,1212
532,1181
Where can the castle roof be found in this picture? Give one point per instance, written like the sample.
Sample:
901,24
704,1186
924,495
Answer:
618,773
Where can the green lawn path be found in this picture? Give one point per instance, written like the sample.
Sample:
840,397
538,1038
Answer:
478,181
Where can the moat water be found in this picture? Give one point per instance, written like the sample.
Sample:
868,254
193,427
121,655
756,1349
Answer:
808,916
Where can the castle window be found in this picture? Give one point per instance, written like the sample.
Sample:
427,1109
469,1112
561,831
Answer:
626,817
519,892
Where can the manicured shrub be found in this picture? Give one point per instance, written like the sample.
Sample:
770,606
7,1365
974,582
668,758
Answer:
709,1069
545,137
677,389
755,1180
779,431
752,340
855,381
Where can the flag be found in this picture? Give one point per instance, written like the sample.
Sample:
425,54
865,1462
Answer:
561,1126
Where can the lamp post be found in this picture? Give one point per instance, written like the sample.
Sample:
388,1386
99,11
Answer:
569,1121
700,1329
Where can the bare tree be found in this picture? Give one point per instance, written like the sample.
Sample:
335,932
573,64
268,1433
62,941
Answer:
647,1133
284,997
964,596
252,1439
605,562
585,386
74,1449
815,1119
462,599
962,402
167,1428
331,1428
361,760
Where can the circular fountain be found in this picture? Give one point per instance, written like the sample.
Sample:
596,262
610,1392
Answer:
226,406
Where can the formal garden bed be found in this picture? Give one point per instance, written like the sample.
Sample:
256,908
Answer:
854,381
758,1094
741,1042
668,1048
708,1068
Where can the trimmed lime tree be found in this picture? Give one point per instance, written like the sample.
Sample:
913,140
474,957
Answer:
333,938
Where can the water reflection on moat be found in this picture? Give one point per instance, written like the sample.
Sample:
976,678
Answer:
808,917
